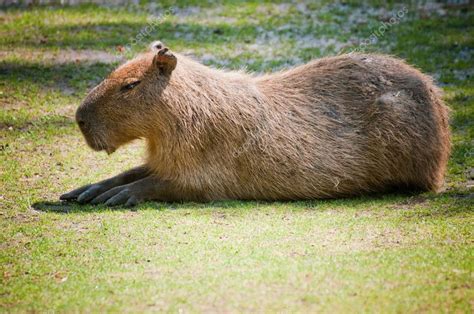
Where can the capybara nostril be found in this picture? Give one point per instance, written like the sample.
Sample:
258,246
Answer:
83,125
81,121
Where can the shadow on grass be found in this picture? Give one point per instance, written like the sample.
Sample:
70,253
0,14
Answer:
111,27
53,124
463,203
113,34
57,76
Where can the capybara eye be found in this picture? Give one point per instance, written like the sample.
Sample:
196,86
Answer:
130,86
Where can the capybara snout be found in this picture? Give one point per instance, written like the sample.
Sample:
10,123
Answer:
88,120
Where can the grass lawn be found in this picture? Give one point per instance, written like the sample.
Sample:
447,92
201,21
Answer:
379,253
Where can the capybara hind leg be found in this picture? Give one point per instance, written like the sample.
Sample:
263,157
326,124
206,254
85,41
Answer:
149,188
414,138
88,192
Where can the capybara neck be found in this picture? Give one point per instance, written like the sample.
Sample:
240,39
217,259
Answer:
204,108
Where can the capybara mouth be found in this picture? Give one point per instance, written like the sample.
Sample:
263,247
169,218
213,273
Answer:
99,145
110,150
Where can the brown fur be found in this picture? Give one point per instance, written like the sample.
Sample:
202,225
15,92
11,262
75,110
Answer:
334,127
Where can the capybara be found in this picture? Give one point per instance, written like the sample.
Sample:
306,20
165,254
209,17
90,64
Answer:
334,127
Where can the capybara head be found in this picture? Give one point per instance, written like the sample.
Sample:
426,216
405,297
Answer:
115,111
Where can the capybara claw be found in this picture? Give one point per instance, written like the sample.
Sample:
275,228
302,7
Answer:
121,195
74,194
90,193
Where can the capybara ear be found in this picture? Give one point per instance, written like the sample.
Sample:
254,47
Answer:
156,46
164,59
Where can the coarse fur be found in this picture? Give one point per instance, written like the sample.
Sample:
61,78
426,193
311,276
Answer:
334,127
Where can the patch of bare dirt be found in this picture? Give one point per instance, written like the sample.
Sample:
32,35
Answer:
62,56
65,2
21,217
12,104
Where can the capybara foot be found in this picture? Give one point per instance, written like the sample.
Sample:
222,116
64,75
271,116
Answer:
131,194
88,192
85,193
120,195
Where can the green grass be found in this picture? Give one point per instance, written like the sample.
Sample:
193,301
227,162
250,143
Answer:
379,253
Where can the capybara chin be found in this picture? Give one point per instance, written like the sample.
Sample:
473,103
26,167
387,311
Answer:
335,127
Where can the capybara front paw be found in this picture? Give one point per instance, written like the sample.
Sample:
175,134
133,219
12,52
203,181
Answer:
84,194
120,195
